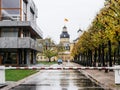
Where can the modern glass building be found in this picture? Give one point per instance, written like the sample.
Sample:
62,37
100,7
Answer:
18,32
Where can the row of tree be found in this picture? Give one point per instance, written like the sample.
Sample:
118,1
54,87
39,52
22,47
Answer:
100,44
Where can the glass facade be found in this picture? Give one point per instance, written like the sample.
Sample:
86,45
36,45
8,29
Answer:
8,58
10,10
10,3
9,32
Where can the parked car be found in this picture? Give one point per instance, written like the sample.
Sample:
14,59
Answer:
59,61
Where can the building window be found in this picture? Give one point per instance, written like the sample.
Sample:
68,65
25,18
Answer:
26,1
10,3
9,32
10,14
9,58
10,10
31,14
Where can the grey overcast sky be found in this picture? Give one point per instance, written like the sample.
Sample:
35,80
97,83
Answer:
80,13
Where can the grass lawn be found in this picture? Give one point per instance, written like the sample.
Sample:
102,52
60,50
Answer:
15,75
47,62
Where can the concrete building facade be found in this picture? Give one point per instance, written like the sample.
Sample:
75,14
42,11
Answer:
18,32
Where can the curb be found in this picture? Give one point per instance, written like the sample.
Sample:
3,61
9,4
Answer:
95,80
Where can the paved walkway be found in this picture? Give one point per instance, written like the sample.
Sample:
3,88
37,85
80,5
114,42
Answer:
107,80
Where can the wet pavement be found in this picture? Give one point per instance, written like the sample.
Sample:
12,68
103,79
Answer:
58,80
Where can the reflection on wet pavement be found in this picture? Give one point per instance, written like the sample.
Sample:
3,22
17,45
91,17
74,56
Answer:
59,80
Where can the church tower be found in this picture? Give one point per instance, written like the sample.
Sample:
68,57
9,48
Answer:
64,44
65,38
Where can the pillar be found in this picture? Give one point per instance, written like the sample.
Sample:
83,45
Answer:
117,74
34,57
27,57
2,75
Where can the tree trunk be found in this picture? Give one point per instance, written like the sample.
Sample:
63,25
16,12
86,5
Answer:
90,55
103,54
114,59
99,56
118,53
109,52
95,58
49,59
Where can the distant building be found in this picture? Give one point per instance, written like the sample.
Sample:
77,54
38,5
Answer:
46,44
80,32
65,37
18,32
65,44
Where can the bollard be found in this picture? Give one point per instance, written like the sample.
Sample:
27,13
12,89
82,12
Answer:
2,75
117,74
